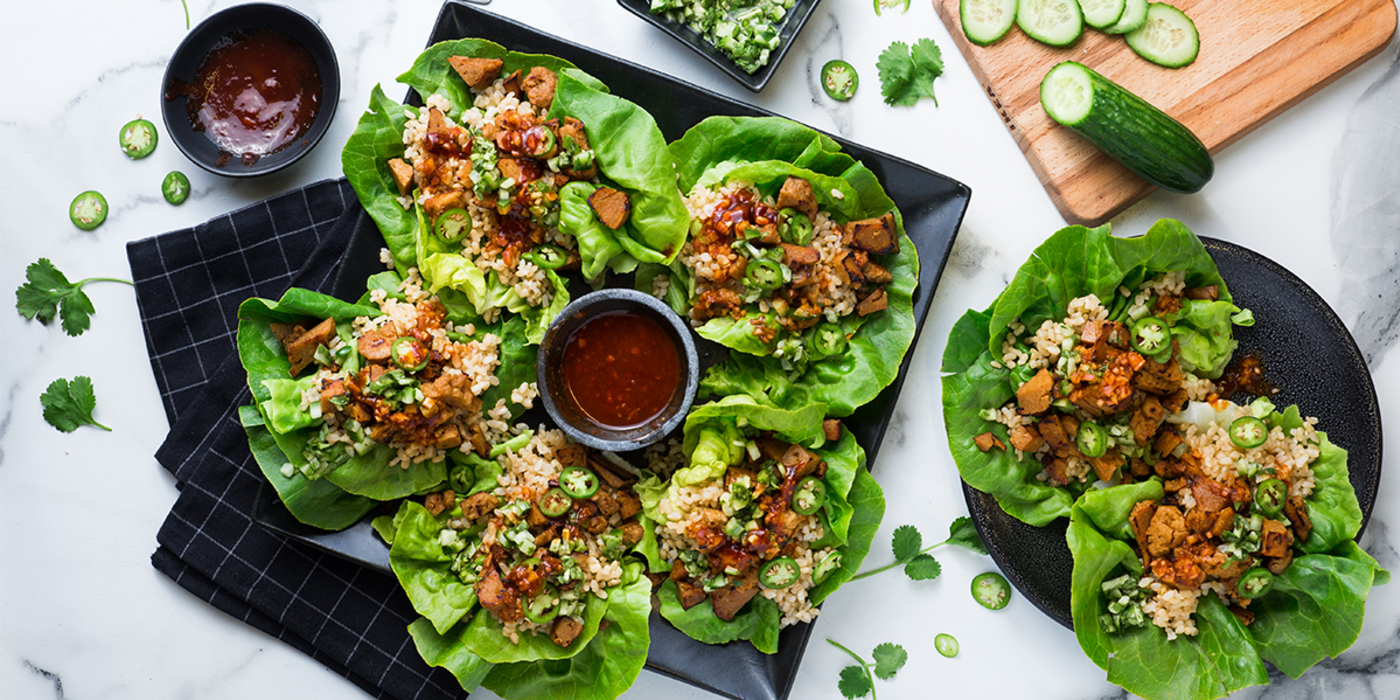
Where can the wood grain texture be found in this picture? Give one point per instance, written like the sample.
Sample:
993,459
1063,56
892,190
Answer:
1257,59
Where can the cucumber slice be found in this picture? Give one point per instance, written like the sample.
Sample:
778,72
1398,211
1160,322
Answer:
985,21
1102,13
1168,37
1053,22
1134,16
1144,139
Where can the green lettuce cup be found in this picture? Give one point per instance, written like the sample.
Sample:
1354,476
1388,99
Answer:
779,501
1077,274
813,312
493,189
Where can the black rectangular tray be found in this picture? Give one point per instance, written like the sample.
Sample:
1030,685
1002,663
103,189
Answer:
932,205
796,18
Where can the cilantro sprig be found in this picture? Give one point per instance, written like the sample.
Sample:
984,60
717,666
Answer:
907,73
68,405
918,564
859,680
48,293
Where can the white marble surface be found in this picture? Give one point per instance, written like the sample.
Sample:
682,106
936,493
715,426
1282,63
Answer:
83,615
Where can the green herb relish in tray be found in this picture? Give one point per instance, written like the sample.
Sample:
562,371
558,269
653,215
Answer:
1207,537
516,545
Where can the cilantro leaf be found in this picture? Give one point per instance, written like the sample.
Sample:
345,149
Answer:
907,75
889,658
906,542
923,568
68,405
964,534
854,683
47,293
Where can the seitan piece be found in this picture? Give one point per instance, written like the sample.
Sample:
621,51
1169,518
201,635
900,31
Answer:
1140,519
1057,470
690,594
875,273
1167,442
444,201
437,122
1277,540
1054,434
478,505
301,347
1107,465
436,503
876,236
1034,396
628,504
1026,438
986,441
1166,531
375,345
1147,419
876,301
632,532
572,454
478,73
539,86
1277,565
730,599
1296,510
403,175
566,629
797,194
613,207
1158,377
794,254
1206,293
831,429
1210,495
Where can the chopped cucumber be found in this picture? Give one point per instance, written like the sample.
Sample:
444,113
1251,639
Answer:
986,21
1053,22
1102,13
1168,37
1134,16
1141,137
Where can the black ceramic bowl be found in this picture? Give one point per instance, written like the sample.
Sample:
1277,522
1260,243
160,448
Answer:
548,370
796,18
184,64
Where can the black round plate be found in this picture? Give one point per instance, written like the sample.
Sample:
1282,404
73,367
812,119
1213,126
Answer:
1307,353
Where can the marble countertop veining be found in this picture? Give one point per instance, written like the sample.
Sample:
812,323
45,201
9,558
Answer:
83,615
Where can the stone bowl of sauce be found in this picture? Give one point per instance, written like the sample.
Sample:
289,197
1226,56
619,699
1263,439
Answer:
618,370
250,90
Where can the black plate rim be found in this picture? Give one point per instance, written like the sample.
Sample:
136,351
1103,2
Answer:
754,82
977,500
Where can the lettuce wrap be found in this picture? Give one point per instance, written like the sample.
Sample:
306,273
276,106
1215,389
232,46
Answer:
1314,609
282,433
718,436
628,150
1074,262
765,151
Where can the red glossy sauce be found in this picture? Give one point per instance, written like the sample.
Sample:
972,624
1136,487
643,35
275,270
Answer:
621,369
255,94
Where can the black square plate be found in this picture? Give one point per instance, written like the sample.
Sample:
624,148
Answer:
1307,352
932,205
796,18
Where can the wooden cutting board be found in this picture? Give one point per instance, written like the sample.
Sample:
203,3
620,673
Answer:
1257,59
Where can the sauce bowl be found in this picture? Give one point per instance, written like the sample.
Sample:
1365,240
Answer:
554,391
200,41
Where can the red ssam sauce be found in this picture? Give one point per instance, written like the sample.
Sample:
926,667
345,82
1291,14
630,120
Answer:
621,369
254,94
1245,374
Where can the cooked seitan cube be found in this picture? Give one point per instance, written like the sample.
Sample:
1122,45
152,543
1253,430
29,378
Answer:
1057,471
610,475
875,273
632,532
478,505
876,236
1176,401
403,175
330,390
1181,573
771,447
1026,438
730,599
1140,519
831,429
1167,442
1296,510
375,345
1140,469
986,441
1207,293
1034,397
447,437
549,535
596,525
1223,521
876,301
797,194
607,505
613,207
1210,495
849,268
539,86
1054,434
678,572
1091,332
628,504
536,519
511,169
511,83
1276,539
478,73
1107,465
1166,531
573,131
480,445
437,123
1245,617
436,503
491,592
1276,565
799,254
690,594
1146,420
565,631
1157,377
443,202
451,389
301,347
572,454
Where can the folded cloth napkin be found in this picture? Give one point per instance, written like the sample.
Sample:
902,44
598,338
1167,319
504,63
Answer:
189,284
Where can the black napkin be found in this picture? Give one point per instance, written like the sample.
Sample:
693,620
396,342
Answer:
189,284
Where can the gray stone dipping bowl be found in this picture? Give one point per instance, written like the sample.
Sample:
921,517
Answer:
549,370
